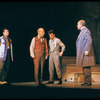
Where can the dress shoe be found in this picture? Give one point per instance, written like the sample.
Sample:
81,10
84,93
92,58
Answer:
39,83
84,84
88,84
50,82
60,81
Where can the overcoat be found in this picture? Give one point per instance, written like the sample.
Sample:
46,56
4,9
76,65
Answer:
84,43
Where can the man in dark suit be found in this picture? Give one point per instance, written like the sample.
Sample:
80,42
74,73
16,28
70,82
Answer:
85,53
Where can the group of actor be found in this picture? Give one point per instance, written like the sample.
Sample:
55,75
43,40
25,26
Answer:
40,51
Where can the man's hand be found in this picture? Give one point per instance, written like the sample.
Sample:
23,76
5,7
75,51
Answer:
60,54
86,53
46,57
33,56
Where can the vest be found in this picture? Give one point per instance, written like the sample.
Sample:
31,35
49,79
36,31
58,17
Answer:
40,45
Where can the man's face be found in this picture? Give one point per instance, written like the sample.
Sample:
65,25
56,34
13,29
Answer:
41,32
52,36
79,25
6,33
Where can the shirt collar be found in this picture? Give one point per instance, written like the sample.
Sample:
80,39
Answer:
53,39
39,37
83,28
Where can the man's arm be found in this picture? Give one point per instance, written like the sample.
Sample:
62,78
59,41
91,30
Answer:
11,49
32,46
62,47
46,50
88,43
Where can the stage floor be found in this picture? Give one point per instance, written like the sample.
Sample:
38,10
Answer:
95,85
65,90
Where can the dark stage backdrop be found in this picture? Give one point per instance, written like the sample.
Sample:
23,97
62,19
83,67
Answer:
24,18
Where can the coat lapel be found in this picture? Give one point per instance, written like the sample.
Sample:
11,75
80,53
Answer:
80,33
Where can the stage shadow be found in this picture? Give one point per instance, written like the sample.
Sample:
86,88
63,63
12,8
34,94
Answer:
43,91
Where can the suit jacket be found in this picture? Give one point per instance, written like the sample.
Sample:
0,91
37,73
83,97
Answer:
84,43
3,49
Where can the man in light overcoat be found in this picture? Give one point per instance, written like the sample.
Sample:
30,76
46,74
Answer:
84,50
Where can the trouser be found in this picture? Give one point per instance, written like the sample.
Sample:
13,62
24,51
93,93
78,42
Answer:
87,74
39,65
54,60
4,67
